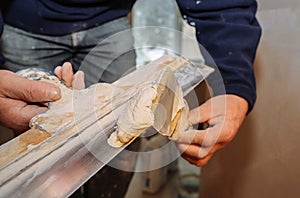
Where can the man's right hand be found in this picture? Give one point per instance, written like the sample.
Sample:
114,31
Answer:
20,99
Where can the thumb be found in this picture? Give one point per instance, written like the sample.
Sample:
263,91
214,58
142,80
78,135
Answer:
20,88
200,114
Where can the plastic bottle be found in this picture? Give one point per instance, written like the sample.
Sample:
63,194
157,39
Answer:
156,27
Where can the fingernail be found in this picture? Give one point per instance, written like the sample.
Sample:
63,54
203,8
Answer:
54,93
57,70
78,82
66,64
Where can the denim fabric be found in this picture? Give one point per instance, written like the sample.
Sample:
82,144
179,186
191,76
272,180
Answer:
102,56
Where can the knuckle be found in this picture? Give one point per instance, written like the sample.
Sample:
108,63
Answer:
209,140
201,163
227,138
228,135
30,92
23,117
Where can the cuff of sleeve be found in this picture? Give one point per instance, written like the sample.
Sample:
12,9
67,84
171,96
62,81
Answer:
248,94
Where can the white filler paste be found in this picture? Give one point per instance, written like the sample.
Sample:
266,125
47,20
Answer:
137,117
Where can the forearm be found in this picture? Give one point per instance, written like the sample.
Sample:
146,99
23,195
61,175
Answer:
229,31
1,30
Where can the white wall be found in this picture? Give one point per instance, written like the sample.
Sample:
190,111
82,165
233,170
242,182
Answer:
264,159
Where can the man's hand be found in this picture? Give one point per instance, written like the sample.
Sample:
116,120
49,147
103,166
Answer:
224,115
19,98
65,74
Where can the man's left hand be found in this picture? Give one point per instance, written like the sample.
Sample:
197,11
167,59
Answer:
224,115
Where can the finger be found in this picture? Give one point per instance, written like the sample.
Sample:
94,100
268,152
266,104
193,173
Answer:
67,73
216,121
192,136
195,151
189,158
57,72
213,107
197,162
200,114
205,138
78,80
198,152
28,90
18,114
29,111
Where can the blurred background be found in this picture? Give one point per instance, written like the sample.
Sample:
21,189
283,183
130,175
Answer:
264,158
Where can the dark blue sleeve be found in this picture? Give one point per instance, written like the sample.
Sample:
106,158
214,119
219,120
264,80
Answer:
230,33
1,29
